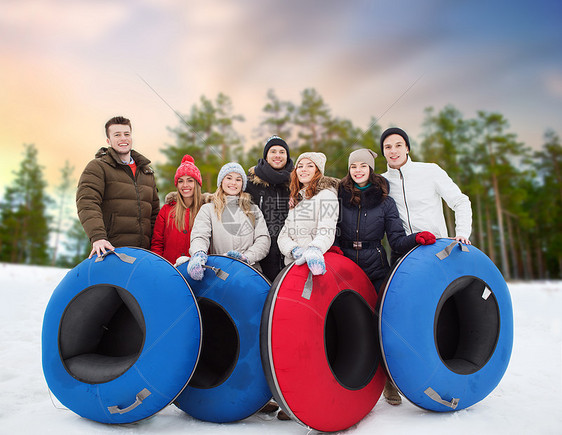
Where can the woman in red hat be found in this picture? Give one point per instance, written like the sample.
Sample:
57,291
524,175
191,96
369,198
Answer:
172,230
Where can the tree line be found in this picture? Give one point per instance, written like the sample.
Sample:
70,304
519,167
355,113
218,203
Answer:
516,193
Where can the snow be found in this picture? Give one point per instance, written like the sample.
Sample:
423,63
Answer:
527,400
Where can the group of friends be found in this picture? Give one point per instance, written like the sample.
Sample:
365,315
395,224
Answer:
276,213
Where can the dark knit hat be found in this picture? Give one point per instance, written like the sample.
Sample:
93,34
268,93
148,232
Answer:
187,167
273,141
394,130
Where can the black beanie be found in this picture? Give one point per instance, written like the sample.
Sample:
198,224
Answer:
273,141
394,130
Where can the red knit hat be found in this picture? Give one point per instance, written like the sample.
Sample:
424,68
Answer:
187,167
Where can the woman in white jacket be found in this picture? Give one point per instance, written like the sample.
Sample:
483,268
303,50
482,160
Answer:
229,225
310,226
419,188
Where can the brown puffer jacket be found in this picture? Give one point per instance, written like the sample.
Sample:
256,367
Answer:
115,206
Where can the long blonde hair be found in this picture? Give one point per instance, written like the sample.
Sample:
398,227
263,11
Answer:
244,202
181,207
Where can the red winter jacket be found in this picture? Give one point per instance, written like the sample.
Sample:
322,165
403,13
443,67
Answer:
167,240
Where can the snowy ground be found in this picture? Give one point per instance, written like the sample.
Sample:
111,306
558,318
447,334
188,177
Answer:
528,399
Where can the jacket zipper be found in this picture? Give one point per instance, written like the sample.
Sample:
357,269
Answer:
405,202
357,233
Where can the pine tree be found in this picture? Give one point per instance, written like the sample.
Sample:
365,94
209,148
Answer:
24,224
312,117
62,191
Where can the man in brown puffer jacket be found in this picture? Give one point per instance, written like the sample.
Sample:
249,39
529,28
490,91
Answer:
117,199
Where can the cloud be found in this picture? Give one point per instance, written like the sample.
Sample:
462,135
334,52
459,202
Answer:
553,83
79,21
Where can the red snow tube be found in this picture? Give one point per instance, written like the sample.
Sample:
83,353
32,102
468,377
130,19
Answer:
319,344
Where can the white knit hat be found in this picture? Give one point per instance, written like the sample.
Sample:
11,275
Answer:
232,167
319,159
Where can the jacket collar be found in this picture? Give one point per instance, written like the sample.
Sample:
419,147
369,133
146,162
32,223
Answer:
405,167
370,197
109,155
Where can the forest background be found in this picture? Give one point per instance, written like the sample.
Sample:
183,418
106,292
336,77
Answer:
477,85
516,192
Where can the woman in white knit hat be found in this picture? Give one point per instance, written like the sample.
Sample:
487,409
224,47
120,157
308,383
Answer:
310,227
229,225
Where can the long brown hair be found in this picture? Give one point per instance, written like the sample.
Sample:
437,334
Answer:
244,202
375,179
182,206
296,186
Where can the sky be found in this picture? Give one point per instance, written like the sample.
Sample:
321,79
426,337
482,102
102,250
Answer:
68,66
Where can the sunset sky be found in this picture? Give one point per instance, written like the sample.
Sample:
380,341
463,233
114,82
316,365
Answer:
68,66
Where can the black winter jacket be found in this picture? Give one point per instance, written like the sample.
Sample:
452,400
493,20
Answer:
365,226
273,201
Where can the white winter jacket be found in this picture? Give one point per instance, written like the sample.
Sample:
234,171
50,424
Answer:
417,188
312,222
234,231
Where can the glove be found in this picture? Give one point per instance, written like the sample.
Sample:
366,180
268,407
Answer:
425,238
195,266
297,255
315,260
237,256
181,260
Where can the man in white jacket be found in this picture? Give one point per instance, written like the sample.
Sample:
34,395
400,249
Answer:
418,189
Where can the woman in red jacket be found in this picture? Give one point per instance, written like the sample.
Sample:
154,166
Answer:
172,229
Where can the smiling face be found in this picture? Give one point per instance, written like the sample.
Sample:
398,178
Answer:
305,171
277,157
395,151
186,186
232,183
120,139
359,172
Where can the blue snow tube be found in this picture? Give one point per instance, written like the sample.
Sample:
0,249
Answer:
229,383
446,326
121,336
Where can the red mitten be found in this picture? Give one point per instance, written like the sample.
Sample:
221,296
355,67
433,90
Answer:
425,238
335,250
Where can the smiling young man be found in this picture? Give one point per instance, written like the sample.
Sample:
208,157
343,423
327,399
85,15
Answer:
419,188
116,199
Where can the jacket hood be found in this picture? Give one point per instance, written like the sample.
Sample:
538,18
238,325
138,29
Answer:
253,178
370,197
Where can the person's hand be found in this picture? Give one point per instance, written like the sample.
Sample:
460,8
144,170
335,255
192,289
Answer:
315,260
195,266
463,240
181,260
425,238
237,256
100,247
335,249
297,255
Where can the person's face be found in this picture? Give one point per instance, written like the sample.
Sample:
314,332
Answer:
120,138
232,183
305,171
276,157
359,173
395,151
186,186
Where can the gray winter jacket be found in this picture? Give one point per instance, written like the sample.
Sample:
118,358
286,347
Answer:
234,231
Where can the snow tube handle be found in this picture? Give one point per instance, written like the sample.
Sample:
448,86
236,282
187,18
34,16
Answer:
123,257
218,272
139,398
447,251
434,395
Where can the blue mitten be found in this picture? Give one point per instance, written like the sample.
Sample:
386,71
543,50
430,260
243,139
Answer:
195,266
297,255
237,256
315,260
